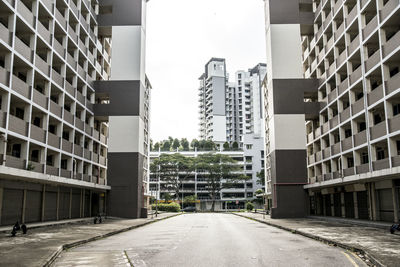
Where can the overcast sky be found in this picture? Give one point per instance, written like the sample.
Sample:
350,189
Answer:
182,35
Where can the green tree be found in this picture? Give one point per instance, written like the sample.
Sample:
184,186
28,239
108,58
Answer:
235,146
166,146
226,146
156,146
202,145
261,177
209,145
151,144
185,144
167,197
249,206
175,144
219,171
172,169
195,143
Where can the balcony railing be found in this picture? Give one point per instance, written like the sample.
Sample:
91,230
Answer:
396,161
79,124
87,154
388,8
36,166
40,99
66,145
69,88
347,143
17,125
336,148
355,43
54,140
20,86
360,138
391,44
344,115
55,109
38,133
68,117
370,27
378,130
5,34
4,76
381,164
357,106
43,32
65,173
375,95
60,18
78,150
50,170
42,65
394,124
364,168
59,48
15,162
356,75
393,83
3,116
372,61
57,78
25,13
348,171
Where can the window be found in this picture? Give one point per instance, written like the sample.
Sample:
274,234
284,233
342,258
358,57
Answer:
65,135
50,160
19,113
52,128
364,158
396,109
36,121
64,164
380,153
35,155
347,133
362,126
350,162
398,147
16,150
249,146
377,118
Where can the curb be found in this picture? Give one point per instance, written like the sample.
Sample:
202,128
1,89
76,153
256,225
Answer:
60,249
371,258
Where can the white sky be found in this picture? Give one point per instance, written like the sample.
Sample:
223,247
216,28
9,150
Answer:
182,35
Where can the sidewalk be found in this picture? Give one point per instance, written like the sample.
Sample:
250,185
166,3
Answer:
43,244
381,247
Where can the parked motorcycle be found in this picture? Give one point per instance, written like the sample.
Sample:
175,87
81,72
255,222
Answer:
395,227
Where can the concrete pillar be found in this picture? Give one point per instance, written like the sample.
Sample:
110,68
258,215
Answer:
342,205
355,205
395,203
23,206
43,201
90,203
70,203
1,202
58,201
374,212
332,207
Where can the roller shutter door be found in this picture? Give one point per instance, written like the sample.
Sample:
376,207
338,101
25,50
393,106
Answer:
33,209
12,206
50,206
63,209
386,210
87,203
362,204
349,204
337,205
76,204
327,202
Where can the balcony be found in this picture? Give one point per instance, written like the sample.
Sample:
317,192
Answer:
378,130
23,49
347,143
17,125
68,117
70,89
372,61
78,150
88,129
95,157
396,161
38,133
86,178
355,43
102,181
339,31
102,160
370,27
4,76
5,34
42,65
77,176
53,140
334,122
43,32
335,149
3,116
355,75
82,46
391,45
26,13
72,34
332,95
363,168
348,171
40,99
344,115
55,109
81,72
15,162
393,83
358,106
337,6
66,145
96,134
20,86
37,167
394,124
343,86
103,139
360,138
375,95
60,18
65,173
330,70
50,170
79,124
326,153
388,8
87,154
80,97
57,78
351,16
381,164
58,48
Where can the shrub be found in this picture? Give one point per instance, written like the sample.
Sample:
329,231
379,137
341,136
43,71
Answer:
171,207
249,206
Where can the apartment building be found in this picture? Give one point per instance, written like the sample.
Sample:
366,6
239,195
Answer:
339,98
58,117
229,198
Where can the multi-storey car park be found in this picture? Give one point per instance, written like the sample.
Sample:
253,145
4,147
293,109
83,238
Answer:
59,121
195,184
346,64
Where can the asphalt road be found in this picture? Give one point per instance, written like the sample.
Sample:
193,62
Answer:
207,239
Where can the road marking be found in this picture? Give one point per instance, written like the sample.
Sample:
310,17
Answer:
350,259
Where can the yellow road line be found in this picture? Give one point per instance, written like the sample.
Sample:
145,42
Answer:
350,259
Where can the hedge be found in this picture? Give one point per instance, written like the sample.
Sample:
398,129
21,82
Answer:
171,207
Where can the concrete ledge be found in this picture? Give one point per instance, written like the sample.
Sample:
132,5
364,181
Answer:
66,246
360,250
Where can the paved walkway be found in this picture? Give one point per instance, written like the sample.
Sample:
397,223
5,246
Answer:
44,243
381,246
